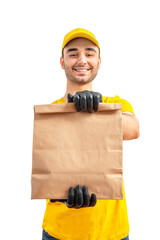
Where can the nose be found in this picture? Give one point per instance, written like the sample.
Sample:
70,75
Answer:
82,60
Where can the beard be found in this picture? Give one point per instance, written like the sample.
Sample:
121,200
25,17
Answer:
81,80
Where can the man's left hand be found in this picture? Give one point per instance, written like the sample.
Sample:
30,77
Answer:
78,198
85,100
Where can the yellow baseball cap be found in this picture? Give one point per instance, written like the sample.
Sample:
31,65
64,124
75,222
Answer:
79,32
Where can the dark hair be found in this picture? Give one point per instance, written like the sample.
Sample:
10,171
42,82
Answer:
63,53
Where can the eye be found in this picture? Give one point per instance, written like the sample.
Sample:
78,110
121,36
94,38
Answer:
73,55
89,54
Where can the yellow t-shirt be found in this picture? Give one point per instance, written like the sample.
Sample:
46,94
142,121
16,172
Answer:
107,220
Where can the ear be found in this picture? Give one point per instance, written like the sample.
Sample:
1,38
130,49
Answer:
62,62
99,62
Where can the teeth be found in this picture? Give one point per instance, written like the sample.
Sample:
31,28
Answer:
81,70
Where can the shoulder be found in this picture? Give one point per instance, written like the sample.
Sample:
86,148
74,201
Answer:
126,106
60,100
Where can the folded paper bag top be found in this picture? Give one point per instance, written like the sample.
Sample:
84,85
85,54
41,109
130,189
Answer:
69,107
77,148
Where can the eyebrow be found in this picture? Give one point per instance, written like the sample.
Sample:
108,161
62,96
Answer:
91,49
76,49
72,49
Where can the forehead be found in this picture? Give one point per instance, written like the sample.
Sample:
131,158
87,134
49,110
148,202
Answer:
80,43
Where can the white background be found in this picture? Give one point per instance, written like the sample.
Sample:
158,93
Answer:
31,34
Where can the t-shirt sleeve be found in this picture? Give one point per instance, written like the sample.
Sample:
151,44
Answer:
126,106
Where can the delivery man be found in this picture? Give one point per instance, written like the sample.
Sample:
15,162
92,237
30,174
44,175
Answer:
82,217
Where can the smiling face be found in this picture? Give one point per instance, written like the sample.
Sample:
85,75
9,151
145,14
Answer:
81,61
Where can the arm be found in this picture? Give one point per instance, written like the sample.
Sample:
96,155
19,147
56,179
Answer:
130,126
130,122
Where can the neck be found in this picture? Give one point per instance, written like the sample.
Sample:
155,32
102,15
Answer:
74,87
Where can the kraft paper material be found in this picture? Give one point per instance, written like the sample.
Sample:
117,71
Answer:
77,148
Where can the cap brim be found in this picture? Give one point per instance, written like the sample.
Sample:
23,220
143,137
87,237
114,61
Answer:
77,35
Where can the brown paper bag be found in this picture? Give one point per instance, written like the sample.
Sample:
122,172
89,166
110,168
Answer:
77,148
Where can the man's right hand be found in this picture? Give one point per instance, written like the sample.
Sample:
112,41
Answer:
78,198
85,100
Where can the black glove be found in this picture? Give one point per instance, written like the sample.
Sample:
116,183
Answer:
85,100
79,198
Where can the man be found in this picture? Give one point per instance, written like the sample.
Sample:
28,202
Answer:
82,217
